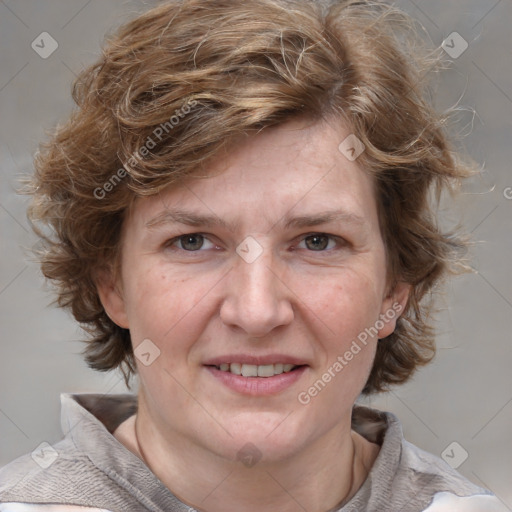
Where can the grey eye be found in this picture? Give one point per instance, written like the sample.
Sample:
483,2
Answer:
317,242
192,242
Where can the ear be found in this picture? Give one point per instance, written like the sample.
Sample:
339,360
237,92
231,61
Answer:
111,297
393,306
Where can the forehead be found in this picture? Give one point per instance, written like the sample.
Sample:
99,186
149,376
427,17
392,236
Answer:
297,167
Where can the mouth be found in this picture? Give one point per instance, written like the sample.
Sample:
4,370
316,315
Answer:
253,370
256,376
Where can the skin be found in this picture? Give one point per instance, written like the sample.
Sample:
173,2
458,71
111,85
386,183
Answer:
303,297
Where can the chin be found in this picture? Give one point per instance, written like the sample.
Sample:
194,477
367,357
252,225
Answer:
264,437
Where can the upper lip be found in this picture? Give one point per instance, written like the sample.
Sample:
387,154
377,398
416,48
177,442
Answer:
255,360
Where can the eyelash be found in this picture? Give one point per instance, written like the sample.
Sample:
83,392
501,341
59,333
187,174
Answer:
339,240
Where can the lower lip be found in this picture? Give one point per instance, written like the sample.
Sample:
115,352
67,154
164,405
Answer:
257,386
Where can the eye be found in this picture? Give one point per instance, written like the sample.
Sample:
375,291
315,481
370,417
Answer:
194,242
320,242
190,242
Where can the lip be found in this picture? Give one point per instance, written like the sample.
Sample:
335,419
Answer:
257,386
257,360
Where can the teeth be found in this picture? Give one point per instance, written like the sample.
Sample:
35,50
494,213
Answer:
266,370
235,368
253,370
249,370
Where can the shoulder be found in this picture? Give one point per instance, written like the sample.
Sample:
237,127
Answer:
35,507
405,477
449,502
48,460
47,476
420,462
449,490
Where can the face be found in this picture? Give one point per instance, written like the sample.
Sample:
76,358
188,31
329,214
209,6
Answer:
273,267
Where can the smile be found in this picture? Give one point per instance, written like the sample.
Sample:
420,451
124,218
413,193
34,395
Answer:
256,379
253,370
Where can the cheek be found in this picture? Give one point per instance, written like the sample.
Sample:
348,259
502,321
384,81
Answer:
344,302
165,307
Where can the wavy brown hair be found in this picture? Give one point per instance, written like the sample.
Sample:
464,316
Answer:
177,84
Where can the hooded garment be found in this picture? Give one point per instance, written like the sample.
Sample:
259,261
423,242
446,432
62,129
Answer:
91,471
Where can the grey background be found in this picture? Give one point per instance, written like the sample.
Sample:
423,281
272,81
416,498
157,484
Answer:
465,395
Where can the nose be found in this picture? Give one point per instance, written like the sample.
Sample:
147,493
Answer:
256,297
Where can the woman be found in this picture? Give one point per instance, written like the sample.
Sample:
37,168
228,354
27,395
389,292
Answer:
241,216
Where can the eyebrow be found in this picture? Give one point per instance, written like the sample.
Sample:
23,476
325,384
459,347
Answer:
301,221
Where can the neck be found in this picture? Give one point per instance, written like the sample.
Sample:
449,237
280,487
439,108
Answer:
321,477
